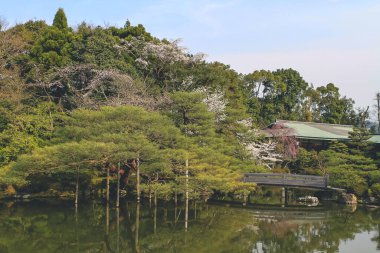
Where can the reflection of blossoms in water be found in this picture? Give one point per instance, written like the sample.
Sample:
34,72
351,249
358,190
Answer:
215,102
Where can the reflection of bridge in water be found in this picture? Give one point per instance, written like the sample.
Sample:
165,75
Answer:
281,222
296,215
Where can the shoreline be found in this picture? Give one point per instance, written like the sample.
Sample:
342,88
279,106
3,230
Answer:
232,203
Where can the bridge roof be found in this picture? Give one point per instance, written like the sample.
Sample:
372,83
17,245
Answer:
312,130
375,138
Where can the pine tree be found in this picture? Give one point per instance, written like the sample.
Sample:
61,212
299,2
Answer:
349,164
191,114
60,20
359,143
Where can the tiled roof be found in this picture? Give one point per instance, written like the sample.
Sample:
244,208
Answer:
375,138
319,131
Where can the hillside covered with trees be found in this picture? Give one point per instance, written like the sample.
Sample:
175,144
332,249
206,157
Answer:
82,105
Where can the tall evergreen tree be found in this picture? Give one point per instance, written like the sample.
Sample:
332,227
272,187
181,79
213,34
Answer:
359,143
191,114
60,20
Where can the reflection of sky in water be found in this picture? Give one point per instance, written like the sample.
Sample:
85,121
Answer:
361,244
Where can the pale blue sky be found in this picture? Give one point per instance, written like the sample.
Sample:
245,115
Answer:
326,40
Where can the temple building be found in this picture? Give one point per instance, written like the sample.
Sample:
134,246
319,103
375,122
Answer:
313,136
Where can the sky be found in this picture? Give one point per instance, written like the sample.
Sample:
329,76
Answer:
335,41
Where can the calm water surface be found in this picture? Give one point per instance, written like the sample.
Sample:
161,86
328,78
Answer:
41,226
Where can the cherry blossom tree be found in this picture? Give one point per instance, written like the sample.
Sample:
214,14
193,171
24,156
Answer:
215,102
84,86
287,142
158,60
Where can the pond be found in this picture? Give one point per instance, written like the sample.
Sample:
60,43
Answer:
56,226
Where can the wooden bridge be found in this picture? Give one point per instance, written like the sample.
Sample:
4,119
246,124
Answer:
288,180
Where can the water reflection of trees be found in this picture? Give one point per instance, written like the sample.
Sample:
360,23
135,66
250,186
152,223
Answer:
41,227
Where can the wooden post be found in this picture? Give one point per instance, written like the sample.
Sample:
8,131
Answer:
150,195
186,214
187,194
118,230
77,188
108,185
107,219
175,215
165,214
283,201
244,199
187,178
195,210
155,197
378,112
138,179
286,196
137,226
76,228
118,186
175,191
155,217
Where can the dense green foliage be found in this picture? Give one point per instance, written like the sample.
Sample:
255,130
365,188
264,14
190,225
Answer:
75,103
284,94
94,140
349,164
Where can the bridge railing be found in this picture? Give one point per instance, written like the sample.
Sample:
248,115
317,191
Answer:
287,180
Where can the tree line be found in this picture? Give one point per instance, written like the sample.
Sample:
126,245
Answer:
92,108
